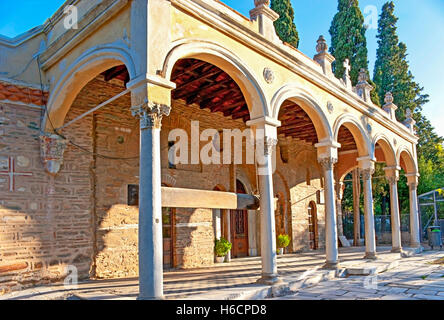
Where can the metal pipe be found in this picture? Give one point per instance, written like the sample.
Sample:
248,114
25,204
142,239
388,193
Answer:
94,109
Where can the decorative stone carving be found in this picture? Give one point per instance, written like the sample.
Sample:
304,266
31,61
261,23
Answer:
322,45
409,121
150,114
269,144
52,149
330,107
392,179
367,173
389,106
328,163
269,75
363,88
346,77
258,3
323,57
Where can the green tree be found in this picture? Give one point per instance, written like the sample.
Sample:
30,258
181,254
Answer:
348,41
285,26
392,73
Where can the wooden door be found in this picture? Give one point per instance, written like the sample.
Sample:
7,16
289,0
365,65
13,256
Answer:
313,226
239,228
167,233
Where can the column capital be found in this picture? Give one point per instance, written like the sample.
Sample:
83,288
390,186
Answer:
150,114
412,180
328,162
327,149
367,173
367,162
392,174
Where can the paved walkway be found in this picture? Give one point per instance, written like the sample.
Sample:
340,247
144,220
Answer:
415,278
237,280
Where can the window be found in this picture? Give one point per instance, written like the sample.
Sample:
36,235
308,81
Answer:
133,195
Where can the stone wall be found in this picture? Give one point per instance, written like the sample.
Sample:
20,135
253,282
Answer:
81,217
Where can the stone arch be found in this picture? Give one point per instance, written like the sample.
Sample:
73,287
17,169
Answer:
308,103
226,61
406,160
91,63
361,138
387,149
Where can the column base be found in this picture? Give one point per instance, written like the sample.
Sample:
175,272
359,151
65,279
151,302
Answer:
331,265
150,298
396,250
370,256
269,280
415,245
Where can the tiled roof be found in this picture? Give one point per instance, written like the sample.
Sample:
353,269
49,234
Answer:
21,94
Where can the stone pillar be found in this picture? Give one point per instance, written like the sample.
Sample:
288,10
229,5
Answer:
331,235
415,237
150,201
266,140
265,18
339,196
392,175
150,102
367,170
323,57
356,208
327,157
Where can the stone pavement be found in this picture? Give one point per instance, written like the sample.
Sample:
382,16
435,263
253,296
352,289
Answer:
302,278
415,278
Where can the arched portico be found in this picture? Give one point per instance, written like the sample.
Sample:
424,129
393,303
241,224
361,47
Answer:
78,74
225,60
407,162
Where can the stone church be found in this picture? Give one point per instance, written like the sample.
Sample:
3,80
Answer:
89,172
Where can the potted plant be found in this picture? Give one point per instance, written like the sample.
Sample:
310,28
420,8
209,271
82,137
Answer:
283,240
221,249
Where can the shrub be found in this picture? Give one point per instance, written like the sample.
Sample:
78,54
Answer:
222,247
283,240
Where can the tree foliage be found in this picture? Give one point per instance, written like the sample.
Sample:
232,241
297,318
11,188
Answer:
348,41
285,26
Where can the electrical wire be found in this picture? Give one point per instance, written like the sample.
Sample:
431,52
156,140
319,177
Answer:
62,136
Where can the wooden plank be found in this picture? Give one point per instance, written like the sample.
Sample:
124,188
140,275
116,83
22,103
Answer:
191,198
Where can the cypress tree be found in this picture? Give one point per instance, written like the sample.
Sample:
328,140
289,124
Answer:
285,26
348,39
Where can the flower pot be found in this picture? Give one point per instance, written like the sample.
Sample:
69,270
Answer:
220,259
281,251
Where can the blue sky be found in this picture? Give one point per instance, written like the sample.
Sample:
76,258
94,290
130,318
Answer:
420,26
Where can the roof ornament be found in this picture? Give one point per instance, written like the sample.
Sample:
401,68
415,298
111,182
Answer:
363,88
323,57
346,77
389,106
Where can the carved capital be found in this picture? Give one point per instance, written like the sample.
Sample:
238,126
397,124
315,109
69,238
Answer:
413,186
328,163
150,114
52,149
392,180
367,173
269,144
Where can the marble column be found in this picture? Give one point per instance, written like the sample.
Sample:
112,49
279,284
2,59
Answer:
367,170
415,236
331,234
392,175
150,201
268,223
339,197
356,208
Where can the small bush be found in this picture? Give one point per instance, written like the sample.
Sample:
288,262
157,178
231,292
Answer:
283,240
222,247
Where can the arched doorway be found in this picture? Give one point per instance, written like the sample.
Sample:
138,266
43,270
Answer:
313,226
239,227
